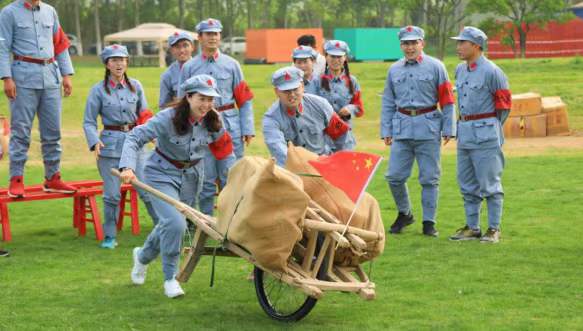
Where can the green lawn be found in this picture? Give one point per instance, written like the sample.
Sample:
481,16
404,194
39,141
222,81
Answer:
531,280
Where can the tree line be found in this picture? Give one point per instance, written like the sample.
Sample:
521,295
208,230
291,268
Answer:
90,20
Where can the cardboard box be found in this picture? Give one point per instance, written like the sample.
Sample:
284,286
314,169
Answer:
526,104
552,103
526,126
558,122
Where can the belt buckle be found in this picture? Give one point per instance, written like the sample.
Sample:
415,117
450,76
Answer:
185,164
413,112
46,62
125,127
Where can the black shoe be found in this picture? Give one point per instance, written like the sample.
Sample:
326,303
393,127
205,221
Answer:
4,253
401,222
429,229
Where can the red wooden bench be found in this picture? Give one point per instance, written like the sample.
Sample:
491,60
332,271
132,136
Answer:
84,206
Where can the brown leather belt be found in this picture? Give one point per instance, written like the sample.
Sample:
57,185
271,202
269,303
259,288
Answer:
178,164
474,117
226,107
415,112
34,60
123,128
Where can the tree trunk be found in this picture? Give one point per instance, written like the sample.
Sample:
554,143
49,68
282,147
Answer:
522,41
97,28
78,28
181,14
249,16
137,13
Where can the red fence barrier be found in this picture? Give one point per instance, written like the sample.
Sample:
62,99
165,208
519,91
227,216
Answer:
553,40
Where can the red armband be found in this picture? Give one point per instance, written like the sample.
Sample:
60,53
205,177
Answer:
222,147
445,94
357,101
144,116
242,94
502,99
60,42
336,127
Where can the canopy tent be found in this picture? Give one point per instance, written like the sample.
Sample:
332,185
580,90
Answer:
156,33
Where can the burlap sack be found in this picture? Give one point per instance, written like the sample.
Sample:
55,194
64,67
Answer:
336,202
262,208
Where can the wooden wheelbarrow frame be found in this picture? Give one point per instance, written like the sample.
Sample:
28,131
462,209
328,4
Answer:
301,274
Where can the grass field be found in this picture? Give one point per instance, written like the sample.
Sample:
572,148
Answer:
55,280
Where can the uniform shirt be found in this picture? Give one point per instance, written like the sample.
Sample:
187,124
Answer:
482,88
310,86
187,147
120,107
231,86
417,84
33,32
339,95
169,84
307,126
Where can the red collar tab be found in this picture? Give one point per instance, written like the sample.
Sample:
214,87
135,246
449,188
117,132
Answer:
292,112
473,66
193,121
113,84
28,6
215,56
420,58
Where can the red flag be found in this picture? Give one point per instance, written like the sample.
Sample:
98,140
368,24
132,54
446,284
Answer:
349,171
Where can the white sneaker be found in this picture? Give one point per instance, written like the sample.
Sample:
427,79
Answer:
139,269
172,288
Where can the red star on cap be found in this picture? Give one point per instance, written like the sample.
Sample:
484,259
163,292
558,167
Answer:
301,48
287,76
176,33
114,47
337,45
210,83
210,22
409,28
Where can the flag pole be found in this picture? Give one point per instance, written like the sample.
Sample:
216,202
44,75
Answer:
360,197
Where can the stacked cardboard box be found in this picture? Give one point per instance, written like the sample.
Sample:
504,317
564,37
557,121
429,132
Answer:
557,118
534,116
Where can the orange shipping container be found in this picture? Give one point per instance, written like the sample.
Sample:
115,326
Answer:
276,45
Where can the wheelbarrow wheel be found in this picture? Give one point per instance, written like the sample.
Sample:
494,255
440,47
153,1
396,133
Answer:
281,301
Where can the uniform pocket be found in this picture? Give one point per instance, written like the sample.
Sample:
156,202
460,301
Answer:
396,126
485,131
434,121
399,83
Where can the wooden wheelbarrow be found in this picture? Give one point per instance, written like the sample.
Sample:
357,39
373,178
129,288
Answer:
286,295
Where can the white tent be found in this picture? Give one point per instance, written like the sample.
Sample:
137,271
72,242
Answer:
157,33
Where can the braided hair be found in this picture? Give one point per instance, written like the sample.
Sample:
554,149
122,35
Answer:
325,81
125,77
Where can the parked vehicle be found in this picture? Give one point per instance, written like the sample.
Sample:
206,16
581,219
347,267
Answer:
234,45
75,46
